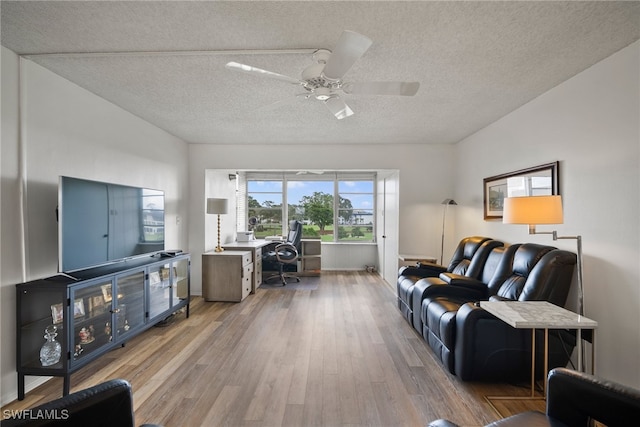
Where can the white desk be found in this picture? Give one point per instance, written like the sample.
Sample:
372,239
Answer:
541,315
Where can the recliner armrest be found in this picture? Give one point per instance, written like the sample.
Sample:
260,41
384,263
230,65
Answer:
427,271
431,266
465,282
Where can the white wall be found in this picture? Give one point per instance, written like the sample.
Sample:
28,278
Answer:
589,123
69,131
424,169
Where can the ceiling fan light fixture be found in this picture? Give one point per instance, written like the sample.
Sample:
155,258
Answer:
322,93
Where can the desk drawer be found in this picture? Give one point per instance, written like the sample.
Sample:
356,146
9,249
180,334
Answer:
246,258
247,269
257,268
246,286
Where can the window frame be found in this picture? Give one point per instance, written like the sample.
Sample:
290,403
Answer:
286,177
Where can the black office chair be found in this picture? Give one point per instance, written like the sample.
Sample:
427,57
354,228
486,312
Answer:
285,253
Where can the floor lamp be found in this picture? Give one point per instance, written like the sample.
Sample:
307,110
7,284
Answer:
446,203
534,210
218,207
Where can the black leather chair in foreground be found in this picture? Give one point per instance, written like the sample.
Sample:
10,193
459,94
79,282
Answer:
576,399
109,404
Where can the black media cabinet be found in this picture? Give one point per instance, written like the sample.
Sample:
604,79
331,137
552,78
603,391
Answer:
96,310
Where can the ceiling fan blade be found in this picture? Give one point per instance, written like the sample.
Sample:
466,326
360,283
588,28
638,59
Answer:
351,46
338,107
382,88
259,71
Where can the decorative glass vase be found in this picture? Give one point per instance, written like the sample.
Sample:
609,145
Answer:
51,350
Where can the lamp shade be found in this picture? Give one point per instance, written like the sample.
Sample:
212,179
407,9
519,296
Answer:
533,210
217,206
448,202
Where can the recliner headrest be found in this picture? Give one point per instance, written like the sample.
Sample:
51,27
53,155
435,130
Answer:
527,256
465,251
515,268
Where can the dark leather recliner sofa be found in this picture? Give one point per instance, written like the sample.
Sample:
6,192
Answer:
472,343
576,399
467,260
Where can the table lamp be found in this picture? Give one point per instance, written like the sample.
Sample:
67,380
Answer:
533,210
217,207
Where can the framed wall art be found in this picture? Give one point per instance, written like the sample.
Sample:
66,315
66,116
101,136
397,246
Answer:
536,181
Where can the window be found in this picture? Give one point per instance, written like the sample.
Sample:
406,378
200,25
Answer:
355,211
152,215
264,202
311,202
334,207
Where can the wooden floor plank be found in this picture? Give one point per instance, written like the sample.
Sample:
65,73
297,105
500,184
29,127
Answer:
338,355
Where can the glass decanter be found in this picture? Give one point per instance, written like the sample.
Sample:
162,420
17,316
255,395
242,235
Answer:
51,350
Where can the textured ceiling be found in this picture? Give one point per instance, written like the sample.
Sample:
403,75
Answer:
476,61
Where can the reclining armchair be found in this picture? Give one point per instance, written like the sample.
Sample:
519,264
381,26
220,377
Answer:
576,399
468,259
473,344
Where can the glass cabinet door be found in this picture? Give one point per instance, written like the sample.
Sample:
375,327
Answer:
159,289
41,318
92,319
180,281
129,303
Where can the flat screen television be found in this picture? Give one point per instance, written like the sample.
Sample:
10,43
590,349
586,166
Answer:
101,223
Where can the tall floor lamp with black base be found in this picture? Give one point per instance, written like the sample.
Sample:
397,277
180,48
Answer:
446,203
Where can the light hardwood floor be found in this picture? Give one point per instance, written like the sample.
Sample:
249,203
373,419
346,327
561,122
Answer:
340,355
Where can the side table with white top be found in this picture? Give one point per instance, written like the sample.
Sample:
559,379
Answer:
540,315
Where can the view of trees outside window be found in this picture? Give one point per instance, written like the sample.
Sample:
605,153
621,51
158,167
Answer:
313,202
264,202
355,211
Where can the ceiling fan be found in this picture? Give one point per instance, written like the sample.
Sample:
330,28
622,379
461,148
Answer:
323,80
